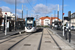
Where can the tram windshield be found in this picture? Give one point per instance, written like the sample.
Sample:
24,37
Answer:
29,25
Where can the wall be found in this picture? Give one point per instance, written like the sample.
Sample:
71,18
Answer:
46,22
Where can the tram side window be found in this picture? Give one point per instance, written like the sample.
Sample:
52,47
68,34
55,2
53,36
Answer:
25,23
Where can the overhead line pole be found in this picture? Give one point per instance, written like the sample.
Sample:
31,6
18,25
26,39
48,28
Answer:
63,15
22,11
27,12
15,15
58,12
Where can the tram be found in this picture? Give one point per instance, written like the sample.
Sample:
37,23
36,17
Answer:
30,24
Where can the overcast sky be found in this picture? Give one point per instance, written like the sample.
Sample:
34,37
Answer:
38,7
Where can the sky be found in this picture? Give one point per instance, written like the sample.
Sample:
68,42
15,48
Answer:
38,7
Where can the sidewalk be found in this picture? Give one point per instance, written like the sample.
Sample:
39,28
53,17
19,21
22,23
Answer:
2,35
63,45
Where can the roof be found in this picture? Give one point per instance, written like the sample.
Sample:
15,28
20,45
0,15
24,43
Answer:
42,18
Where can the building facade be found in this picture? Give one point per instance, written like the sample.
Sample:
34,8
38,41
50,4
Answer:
45,21
73,19
9,15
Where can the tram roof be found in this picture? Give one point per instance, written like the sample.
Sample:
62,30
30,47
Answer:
30,17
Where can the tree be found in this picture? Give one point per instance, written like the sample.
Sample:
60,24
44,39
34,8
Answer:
47,16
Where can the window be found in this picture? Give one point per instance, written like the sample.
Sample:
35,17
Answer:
46,20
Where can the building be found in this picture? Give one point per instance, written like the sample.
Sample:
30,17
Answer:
9,15
45,21
73,19
38,22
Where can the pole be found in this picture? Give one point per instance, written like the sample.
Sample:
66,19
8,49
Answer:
69,18
27,12
5,24
63,15
54,13
58,12
15,16
63,25
58,16
69,31
22,11
62,9
37,16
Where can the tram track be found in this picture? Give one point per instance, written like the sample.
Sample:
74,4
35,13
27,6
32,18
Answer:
54,40
11,37
28,42
40,41
13,41
44,41
18,42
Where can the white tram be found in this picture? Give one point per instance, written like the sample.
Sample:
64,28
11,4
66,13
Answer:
30,24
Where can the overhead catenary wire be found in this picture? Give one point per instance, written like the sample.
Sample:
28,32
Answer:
30,5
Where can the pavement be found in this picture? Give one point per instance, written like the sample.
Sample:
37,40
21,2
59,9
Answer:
31,41
2,34
59,34
5,44
47,42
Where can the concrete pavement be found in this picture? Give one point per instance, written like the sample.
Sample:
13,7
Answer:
61,41
2,35
49,41
60,35
7,43
30,43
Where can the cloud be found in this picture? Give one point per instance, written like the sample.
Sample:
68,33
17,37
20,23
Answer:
19,11
5,8
17,1
41,8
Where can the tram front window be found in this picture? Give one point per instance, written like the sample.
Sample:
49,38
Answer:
28,25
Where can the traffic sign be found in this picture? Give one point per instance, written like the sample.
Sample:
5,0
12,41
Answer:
6,13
